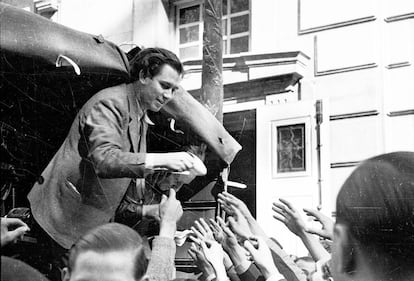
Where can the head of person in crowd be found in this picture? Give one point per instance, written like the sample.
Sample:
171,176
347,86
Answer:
156,74
374,230
109,252
307,265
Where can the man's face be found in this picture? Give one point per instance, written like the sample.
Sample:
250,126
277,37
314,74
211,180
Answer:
110,266
155,92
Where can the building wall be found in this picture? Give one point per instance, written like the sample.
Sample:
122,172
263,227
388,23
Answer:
126,22
362,56
355,51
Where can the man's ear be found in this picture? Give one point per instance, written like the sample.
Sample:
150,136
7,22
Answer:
142,77
346,255
65,274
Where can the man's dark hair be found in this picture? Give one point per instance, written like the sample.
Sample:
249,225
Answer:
376,203
150,61
111,237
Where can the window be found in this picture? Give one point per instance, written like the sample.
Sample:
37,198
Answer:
190,31
291,156
236,28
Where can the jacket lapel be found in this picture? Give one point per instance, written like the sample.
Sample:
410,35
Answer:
134,113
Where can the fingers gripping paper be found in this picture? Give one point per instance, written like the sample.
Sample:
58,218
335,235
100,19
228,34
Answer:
185,108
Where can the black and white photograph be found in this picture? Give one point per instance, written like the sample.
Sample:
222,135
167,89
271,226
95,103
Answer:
210,140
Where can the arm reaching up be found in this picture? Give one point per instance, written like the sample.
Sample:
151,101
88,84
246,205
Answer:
239,225
161,266
201,262
202,230
326,222
291,218
215,255
231,203
260,254
170,212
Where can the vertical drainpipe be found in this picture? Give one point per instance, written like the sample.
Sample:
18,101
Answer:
319,119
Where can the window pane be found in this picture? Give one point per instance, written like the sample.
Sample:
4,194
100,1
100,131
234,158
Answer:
189,52
189,34
238,45
189,14
225,46
239,24
239,5
291,148
224,7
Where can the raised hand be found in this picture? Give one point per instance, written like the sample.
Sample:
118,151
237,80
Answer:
215,255
230,239
200,260
170,211
239,224
202,230
230,203
227,200
326,222
261,255
230,244
218,232
11,230
289,216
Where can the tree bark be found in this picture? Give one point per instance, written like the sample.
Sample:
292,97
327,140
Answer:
212,68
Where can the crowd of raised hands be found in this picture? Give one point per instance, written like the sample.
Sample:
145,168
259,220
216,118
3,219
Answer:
237,248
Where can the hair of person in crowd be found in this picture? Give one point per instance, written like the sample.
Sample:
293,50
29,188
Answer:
376,207
150,62
111,237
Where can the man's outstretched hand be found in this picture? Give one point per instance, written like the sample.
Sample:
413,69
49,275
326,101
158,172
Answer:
174,161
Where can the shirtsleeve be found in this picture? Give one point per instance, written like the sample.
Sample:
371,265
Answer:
161,266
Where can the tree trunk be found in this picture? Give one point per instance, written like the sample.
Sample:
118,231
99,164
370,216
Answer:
212,76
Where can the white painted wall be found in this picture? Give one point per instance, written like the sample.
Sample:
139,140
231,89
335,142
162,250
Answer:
141,22
111,18
152,26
